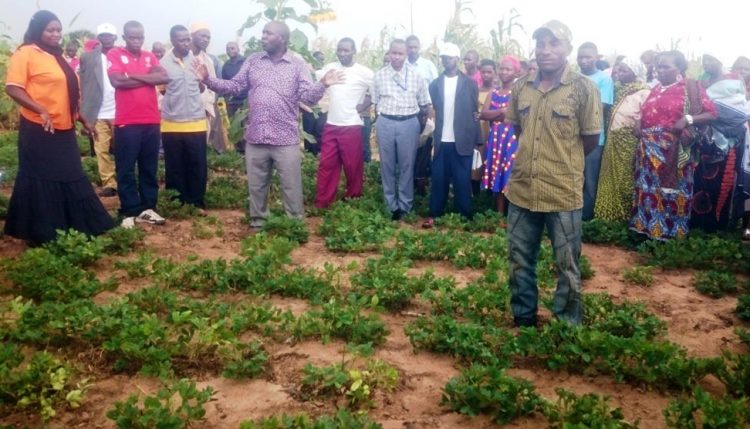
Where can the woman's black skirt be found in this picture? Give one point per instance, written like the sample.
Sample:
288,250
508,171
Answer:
51,191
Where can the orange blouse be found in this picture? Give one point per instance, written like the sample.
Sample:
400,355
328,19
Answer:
41,76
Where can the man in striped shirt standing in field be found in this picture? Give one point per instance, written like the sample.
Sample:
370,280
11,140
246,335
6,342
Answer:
557,115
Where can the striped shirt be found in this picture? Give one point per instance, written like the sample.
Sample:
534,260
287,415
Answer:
399,92
548,172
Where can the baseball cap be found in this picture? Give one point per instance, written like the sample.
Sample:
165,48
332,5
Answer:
106,28
450,50
558,30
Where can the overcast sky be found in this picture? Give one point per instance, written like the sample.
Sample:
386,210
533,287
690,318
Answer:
719,27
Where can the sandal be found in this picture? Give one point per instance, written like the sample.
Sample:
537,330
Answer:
428,223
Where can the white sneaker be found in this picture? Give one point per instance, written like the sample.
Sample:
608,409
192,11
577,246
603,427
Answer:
128,222
150,216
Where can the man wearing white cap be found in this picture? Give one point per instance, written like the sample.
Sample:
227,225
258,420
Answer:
99,103
200,34
454,98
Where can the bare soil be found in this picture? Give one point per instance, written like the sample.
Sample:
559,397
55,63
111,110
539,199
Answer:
702,325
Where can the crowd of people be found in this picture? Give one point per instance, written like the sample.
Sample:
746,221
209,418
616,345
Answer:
637,142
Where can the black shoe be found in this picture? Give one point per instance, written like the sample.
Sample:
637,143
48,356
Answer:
397,214
108,192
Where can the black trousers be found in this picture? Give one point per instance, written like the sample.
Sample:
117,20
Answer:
186,165
137,144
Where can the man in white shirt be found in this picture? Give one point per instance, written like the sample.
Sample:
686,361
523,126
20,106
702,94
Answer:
98,103
454,98
341,142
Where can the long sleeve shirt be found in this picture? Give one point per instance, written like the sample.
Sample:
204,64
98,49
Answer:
274,91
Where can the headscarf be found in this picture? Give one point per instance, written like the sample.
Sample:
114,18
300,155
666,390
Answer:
33,36
513,60
200,25
636,66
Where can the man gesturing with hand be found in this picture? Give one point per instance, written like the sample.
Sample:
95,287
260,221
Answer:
275,82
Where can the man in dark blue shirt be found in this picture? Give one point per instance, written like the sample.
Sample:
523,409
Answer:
234,102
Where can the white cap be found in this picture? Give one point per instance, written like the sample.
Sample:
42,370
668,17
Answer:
450,50
106,28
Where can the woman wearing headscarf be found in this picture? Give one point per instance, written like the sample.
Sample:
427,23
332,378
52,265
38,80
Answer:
51,191
501,141
665,160
717,200
614,198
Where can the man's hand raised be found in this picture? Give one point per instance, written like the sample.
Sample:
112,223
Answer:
333,77
200,70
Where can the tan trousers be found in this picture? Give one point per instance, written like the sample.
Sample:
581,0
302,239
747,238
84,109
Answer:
104,159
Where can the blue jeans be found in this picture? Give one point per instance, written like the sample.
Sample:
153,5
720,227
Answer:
137,144
525,229
591,181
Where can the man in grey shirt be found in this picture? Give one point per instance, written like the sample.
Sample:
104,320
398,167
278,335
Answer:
183,122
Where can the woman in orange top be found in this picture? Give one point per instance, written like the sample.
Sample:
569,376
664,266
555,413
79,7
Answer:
51,191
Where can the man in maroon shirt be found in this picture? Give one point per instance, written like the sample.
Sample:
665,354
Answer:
134,74
276,81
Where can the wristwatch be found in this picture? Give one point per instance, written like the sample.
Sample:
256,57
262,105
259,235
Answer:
689,119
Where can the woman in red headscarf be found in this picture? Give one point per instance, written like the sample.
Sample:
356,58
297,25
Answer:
502,141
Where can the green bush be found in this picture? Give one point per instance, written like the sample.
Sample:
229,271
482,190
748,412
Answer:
343,419
488,390
350,229
294,230
715,284
586,411
639,275
42,384
705,411
41,275
175,406
743,307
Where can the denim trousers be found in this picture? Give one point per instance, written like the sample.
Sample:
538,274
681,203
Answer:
525,229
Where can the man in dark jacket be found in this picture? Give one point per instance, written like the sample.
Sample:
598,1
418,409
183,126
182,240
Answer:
98,105
454,98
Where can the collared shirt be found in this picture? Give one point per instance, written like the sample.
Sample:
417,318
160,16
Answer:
606,87
134,106
426,69
40,75
399,92
274,91
548,172
182,99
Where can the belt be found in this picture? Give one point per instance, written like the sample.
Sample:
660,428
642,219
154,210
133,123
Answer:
398,117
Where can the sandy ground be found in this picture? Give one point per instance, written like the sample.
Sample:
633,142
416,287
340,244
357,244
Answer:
702,325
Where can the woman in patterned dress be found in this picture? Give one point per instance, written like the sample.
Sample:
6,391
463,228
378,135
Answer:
614,198
665,160
502,141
